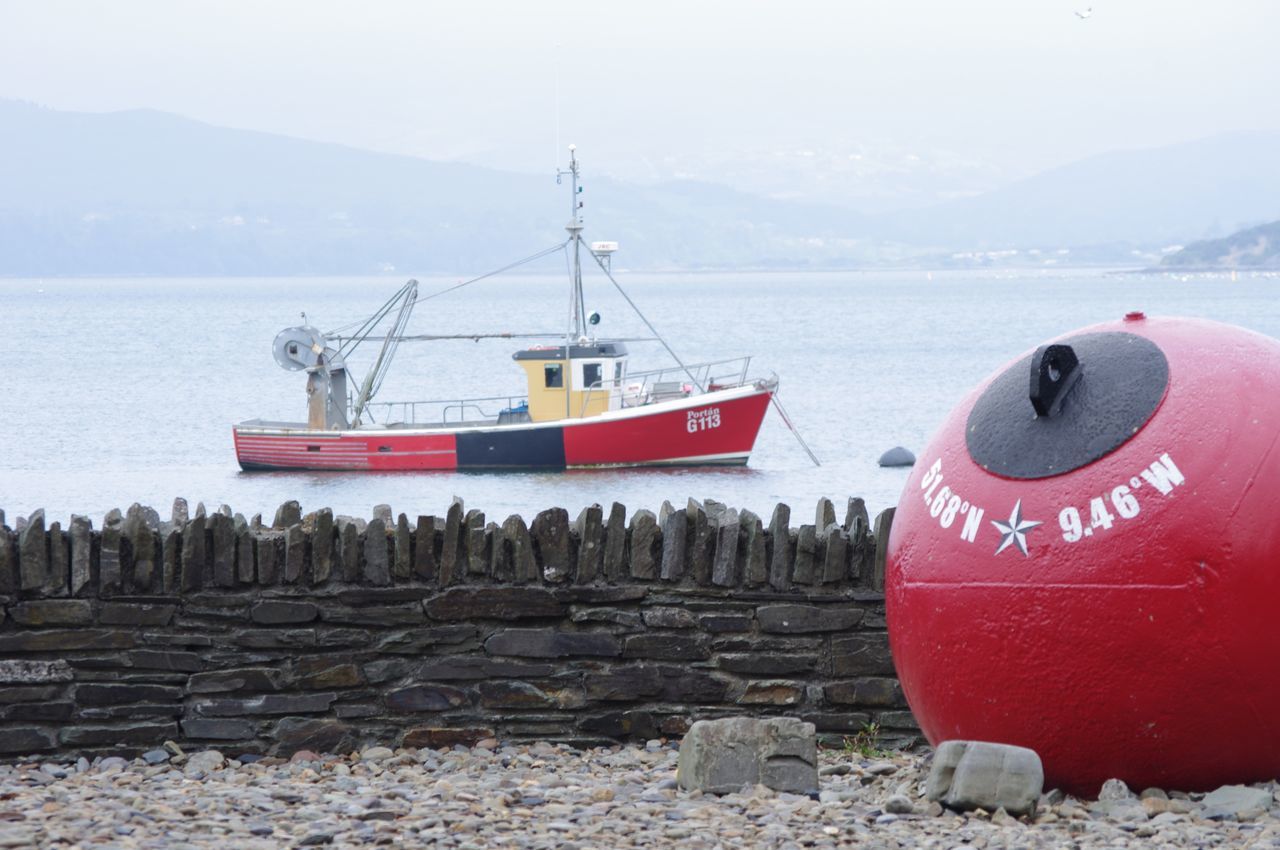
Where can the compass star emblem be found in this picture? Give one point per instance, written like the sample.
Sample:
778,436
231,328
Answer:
1014,532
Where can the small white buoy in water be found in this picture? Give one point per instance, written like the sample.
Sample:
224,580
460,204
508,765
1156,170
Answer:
897,456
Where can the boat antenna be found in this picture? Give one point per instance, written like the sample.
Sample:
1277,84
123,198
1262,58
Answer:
555,88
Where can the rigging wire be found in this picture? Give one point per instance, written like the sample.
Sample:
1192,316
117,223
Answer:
529,259
787,419
405,299
373,381
366,327
508,267
647,324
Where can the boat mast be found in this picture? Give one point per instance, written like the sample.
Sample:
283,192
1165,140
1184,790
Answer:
577,309
578,327
578,304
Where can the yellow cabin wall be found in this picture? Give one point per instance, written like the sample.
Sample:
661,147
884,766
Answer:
547,403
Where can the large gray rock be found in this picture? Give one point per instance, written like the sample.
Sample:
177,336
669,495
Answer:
979,775
1233,800
722,756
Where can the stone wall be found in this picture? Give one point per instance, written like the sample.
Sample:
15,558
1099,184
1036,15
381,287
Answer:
326,633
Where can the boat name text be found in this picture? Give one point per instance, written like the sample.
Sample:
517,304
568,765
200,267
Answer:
703,420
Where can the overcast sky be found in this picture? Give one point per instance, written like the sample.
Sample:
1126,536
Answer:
1016,84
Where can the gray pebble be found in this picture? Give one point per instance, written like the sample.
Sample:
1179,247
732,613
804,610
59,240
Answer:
155,756
881,768
899,805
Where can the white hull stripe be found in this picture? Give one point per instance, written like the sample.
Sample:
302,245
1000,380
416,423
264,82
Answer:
282,431
730,457
284,448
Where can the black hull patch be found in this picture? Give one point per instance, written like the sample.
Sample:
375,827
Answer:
526,448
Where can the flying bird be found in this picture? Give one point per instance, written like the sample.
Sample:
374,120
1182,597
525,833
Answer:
1085,14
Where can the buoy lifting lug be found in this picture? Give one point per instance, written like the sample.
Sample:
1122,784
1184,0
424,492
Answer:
1054,371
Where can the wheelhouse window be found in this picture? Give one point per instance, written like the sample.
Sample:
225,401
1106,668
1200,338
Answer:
617,371
591,374
554,375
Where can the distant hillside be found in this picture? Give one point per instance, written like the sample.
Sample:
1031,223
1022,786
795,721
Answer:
1255,248
145,192
149,193
1155,197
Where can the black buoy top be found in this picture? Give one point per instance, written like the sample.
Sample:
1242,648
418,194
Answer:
1067,405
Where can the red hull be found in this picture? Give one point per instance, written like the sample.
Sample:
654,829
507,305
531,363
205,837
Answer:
717,428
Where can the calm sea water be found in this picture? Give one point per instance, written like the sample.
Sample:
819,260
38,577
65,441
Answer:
120,391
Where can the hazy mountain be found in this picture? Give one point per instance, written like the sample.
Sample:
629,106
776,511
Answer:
145,192
1151,197
874,176
1255,248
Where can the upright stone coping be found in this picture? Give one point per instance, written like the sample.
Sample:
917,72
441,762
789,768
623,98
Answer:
322,632
711,545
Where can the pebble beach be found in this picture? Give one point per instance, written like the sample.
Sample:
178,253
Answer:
551,796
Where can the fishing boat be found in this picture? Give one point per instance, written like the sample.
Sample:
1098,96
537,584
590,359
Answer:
585,407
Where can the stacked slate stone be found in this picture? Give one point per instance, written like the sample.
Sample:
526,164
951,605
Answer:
324,633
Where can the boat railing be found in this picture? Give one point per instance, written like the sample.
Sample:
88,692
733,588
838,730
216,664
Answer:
635,389
713,373
453,411
671,382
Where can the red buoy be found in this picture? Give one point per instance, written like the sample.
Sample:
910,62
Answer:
1086,559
